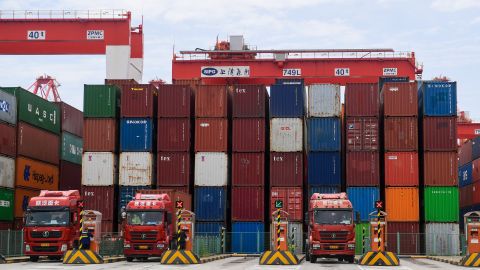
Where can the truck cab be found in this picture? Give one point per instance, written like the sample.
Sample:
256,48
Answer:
331,230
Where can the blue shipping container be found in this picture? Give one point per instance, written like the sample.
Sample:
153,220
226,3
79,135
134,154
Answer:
323,134
210,203
127,193
465,175
324,168
322,190
363,200
136,134
248,237
289,81
210,228
287,100
438,98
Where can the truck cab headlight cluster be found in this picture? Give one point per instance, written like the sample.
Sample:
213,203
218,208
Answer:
351,246
316,246
126,245
27,248
63,248
160,245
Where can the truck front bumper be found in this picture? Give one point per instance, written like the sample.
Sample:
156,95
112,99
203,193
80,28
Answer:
333,249
45,249
138,250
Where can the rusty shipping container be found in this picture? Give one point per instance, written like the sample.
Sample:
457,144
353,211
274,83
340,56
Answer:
211,101
363,169
399,99
70,176
175,100
292,198
38,144
249,101
440,169
402,203
173,169
466,194
362,99
440,133
401,169
71,119
211,135
465,153
174,134
248,135
36,174
100,135
409,235
102,199
8,140
476,170
400,133
248,169
362,133
286,169
22,197
251,209
138,100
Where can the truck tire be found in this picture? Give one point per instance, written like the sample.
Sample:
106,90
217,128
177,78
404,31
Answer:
34,258
340,259
129,259
350,259
313,259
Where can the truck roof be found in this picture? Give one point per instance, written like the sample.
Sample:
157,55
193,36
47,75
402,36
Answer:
149,201
55,198
335,200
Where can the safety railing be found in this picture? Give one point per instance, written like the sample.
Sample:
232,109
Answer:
64,14
111,244
11,243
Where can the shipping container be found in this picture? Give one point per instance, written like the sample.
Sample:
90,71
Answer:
440,133
174,134
173,169
8,105
362,134
466,194
248,169
101,101
109,227
404,238
362,99
211,101
286,169
249,101
210,203
71,119
363,200
324,100
38,144
102,199
22,197
440,169
71,148
399,99
175,194
126,194
7,172
438,98
211,135
286,135
323,134
476,170
248,204
441,204
248,135
362,238
70,176
400,133
476,148
211,169
8,140
324,168
401,169
386,79
290,81
465,154
402,204
139,100
362,169
292,198
322,190
465,175
442,239
99,169
137,134
35,110
100,135
137,169
18,224
287,100
209,228
175,100
120,82
6,225
6,204
36,174
248,237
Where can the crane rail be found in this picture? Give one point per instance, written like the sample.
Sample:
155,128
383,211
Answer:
63,14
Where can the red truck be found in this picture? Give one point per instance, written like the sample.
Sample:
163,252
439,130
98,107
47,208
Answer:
52,224
331,231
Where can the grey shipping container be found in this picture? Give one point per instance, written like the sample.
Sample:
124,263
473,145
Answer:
442,239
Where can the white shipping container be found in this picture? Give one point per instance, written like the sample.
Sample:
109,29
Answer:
324,100
7,172
136,169
211,169
286,135
99,169
442,239
8,108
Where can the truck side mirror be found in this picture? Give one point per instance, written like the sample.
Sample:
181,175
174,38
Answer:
169,218
357,216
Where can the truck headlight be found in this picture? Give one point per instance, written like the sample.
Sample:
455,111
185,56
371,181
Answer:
126,245
160,245
351,246
63,248
316,246
27,248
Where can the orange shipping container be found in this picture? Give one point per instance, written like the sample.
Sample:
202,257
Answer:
36,174
401,169
402,204
22,197
211,101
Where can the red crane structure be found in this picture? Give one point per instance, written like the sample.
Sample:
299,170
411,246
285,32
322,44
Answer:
44,86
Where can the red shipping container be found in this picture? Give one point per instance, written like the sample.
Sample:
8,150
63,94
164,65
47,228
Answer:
410,237
466,194
401,169
211,135
6,225
174,100
476,170
249,101
400,133
440,169
70,176
211,101
173,169
108,226
251,209
100,135
399,99
173,134
139,100
102,199
440,133
249,135
362,99
362,169
292,198
286,169
184,189
362,133
18,224
465,153
8,140
248,169
476,193
38,144
71,119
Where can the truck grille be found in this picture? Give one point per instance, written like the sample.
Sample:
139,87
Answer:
333,236
44,249
144,236
46,234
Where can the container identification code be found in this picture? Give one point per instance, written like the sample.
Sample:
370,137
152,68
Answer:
95,34
342,72
292,72
36,34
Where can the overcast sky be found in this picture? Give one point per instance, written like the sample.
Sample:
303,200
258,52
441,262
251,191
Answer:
444,34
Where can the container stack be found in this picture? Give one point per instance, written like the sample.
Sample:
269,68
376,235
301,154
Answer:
249,103
468,178
211,158
101,106
438,109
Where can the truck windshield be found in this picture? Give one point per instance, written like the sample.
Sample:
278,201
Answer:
47,218
343,217
144,218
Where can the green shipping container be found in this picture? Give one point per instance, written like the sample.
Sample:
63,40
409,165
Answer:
362,230
72,148
35,110
101,101
6,204
441,204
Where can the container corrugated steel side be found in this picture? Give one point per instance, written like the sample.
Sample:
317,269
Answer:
440,133
248,237
248,135
465,153
440,169
8,140
324,100
362,133
120,82
174,134
6,225
138,100
399,99
442,239
402,203
286,169
209,228
292,198
102,199
251,209
286,135
465,175
7,172
136,134
7,204
401,169
438,98
211,101
476,148
248,169
475,170
36,174
71,119
466,195
441,204
363,169
99,169
210,203
400,133
101,101
8,107
362,99
287,100
70,176
100,134
175,100
211,169
363,200
211,135
249,101
126,194
323,134
324,168
22,197
72,148
173,169
322,190
38,144
136,169
404,237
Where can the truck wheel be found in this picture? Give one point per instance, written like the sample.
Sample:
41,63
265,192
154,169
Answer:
34,258
129,259
350,259
307,256
313,259
340,259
